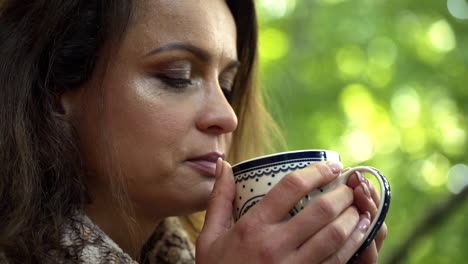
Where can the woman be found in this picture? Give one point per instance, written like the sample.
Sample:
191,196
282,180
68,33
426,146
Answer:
114,118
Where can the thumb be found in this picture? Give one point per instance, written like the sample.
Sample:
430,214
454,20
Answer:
219,211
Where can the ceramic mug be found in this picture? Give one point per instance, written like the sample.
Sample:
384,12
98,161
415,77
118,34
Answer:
255,177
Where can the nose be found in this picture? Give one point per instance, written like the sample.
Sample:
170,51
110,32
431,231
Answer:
217,116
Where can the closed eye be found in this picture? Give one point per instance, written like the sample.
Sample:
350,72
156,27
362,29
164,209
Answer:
179,83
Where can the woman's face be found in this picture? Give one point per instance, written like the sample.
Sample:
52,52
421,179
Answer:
165,114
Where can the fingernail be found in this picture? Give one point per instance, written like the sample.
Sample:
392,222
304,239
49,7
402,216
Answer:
334,166
366,189
360,177
368,183
364,223
219,166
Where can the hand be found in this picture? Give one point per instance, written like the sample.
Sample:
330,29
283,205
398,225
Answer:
367,200
328,230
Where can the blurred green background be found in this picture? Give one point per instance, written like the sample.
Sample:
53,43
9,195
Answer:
383,82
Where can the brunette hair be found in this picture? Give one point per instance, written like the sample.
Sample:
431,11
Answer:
257,131
47,47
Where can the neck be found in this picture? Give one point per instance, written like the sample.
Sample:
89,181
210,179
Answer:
129,232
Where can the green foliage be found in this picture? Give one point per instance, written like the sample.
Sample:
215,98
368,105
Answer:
384,82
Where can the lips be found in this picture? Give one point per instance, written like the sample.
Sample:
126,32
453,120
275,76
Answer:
205,164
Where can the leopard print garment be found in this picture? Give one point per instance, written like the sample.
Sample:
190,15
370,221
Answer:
85,242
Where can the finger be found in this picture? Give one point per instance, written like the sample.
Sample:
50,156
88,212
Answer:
353,243
354,180
374,193
364,203
328,241
219,211
276,204
370,254
363,200
380,237
357,179
318,214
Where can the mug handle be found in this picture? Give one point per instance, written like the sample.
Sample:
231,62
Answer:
385,195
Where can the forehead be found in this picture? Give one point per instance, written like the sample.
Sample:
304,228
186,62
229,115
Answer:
207,24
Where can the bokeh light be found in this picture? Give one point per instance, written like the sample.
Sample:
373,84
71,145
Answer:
430,174
330,2
379,76
359,146
358,105
454,141
351,61
457,178
386,137
382,52
441,36
274,44
275,9
444,113
408,28
414,140
435,170
406,106
458,8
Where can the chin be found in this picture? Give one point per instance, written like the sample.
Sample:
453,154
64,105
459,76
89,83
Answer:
195,203
190,198
190,209
200,204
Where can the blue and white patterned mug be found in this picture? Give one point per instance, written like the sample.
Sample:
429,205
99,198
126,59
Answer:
255,177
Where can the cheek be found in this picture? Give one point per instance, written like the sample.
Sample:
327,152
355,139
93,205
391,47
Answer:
144,123
228,142
147,130
145,127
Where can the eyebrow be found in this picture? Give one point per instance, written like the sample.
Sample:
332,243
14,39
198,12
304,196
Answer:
198,52
201,54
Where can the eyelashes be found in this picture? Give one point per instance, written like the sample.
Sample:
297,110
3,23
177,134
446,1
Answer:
181,84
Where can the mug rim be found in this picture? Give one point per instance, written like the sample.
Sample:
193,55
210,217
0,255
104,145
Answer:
317,155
